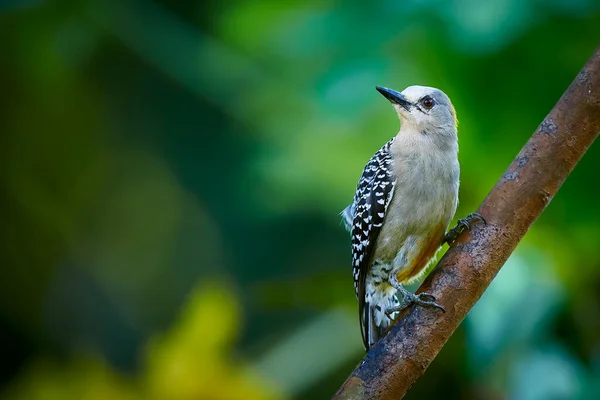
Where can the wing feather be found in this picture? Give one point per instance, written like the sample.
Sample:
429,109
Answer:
373,196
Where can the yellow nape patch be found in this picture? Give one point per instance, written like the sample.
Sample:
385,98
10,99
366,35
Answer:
453,113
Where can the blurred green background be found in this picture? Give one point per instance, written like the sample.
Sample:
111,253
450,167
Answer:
172,174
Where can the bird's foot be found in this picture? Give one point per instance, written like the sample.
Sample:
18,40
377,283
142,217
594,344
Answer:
464,224
408,298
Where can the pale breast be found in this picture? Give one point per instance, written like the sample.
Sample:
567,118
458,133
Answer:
425,198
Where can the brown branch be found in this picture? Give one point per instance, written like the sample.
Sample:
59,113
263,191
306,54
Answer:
462,275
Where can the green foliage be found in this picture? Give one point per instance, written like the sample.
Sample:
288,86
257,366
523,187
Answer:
188,362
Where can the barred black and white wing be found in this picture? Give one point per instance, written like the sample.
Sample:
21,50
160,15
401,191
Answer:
373,195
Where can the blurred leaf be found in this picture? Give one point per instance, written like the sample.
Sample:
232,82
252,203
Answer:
192,361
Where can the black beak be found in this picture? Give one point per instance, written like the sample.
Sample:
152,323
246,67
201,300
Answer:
394,97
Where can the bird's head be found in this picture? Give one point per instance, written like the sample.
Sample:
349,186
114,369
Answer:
426,109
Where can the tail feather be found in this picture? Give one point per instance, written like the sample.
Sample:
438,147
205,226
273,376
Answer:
371,332
374,320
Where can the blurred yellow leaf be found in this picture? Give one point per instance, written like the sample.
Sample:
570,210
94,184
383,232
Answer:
191,361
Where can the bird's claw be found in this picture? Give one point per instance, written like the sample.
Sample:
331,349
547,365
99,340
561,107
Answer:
426,297
421,299
426,300
463,224
392,310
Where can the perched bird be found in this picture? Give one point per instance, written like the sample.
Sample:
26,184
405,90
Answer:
405,199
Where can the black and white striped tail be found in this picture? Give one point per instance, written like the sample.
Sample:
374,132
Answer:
374,321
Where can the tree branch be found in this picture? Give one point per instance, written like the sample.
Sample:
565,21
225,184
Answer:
462,275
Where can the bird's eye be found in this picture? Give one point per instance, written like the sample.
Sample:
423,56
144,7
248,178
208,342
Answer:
428,102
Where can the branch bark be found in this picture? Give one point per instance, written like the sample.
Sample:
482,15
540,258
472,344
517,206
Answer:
468,267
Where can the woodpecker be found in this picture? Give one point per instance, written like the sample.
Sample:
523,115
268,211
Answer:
404,201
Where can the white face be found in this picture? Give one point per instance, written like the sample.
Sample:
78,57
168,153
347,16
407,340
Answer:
429,109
